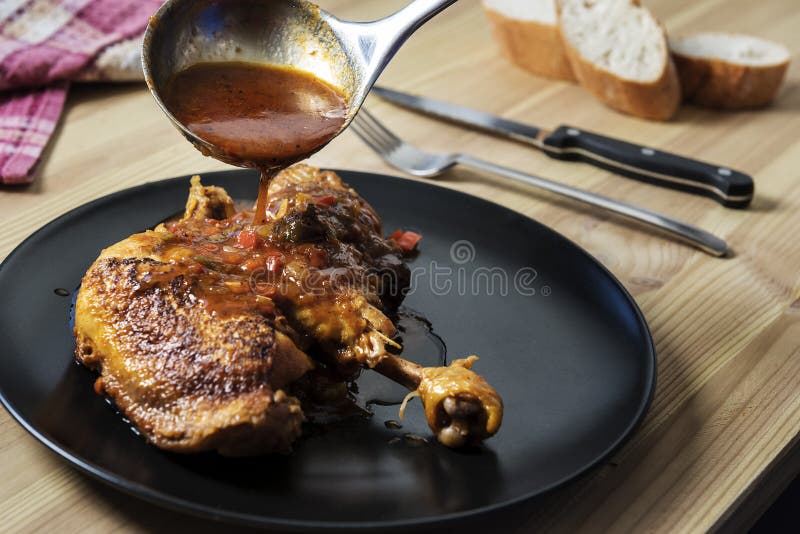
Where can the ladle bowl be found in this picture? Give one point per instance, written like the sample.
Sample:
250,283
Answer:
295,33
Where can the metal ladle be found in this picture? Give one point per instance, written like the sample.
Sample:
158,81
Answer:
296,33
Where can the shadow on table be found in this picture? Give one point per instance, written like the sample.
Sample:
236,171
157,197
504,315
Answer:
152,518
782,515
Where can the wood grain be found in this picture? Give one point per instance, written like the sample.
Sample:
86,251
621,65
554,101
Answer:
727,408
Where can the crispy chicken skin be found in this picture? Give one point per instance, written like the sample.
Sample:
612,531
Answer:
200,327
190,380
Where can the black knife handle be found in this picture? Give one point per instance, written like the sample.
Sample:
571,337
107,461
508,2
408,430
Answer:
728,187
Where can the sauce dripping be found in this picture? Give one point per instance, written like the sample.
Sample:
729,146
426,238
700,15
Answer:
260,216
264,116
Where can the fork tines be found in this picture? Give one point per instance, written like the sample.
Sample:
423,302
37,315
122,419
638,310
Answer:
373,133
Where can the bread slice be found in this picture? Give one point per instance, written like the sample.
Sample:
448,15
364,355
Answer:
729,71
527,33
619,52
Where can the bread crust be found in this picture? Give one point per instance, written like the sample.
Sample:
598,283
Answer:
721,84
531,45
657,100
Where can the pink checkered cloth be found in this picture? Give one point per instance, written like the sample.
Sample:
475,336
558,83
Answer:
45,44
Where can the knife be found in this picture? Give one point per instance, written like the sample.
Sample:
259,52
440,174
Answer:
730,188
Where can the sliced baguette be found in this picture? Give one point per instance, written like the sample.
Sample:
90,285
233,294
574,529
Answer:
619,52
729,71
527,33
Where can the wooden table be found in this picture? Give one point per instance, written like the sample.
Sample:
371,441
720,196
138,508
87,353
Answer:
720,439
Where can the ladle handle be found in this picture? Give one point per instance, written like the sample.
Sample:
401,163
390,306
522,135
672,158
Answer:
406,21
382,38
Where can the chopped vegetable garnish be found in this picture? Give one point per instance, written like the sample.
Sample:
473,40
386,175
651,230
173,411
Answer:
282,209
247,239
408,240
326,201
237,286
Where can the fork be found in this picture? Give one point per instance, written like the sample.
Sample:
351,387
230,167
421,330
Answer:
414,161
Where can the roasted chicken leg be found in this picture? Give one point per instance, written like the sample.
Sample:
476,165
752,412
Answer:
201,326
346,318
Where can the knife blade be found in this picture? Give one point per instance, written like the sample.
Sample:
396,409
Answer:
730,188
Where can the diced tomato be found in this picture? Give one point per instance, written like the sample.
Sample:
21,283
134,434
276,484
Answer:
408,240
211,230
247,239
274,262
326,201
396,234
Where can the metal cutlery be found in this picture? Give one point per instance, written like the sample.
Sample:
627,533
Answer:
730,188
417,162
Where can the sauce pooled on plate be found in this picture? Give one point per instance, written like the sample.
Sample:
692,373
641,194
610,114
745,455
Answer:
266,116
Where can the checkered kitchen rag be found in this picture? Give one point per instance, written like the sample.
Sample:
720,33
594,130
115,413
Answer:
45,44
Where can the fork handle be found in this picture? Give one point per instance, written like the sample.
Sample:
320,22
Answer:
693,235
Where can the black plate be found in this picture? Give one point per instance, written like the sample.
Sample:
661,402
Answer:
564,344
